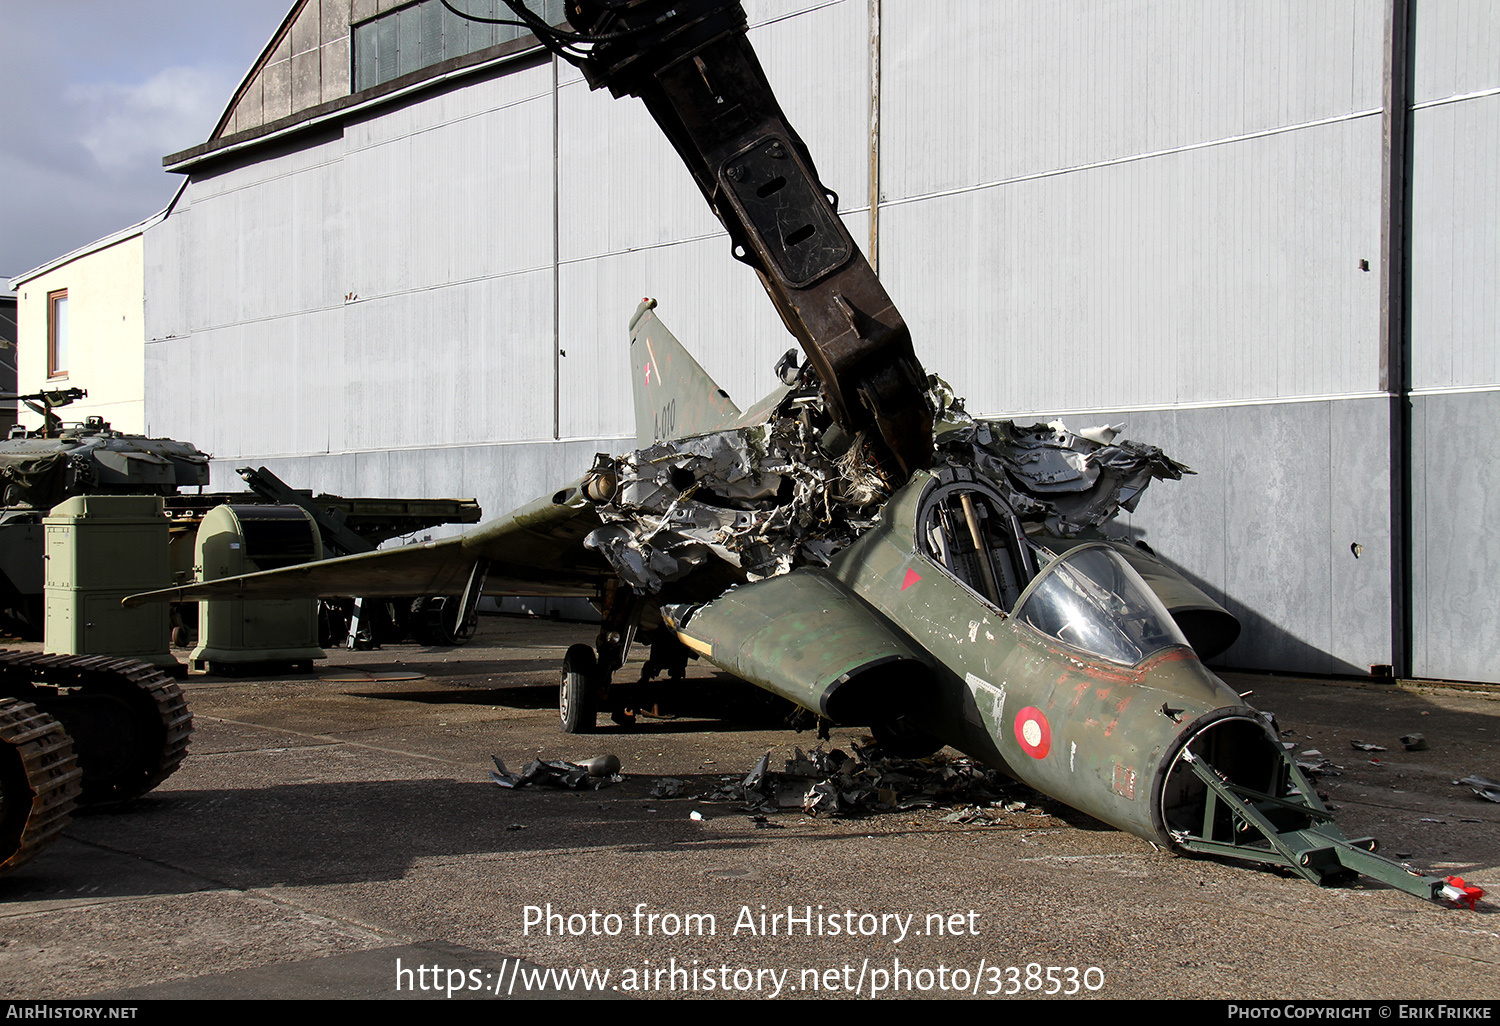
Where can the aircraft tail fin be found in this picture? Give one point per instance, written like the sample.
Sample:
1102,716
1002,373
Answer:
674,396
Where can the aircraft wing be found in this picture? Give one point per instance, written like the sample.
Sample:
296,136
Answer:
535,550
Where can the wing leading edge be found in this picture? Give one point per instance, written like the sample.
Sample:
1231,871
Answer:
535,550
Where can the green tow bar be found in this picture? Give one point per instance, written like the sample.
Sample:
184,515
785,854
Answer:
1307,842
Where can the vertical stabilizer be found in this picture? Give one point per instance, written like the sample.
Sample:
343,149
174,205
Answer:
674,396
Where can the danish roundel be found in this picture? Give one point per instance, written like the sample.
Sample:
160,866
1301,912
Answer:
1033,732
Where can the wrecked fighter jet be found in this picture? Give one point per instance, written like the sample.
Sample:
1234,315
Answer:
857,543
976,605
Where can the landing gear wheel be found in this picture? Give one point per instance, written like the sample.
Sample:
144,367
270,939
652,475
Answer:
129,722
39,781
577,696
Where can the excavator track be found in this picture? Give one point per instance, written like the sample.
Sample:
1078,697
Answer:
40,781
129,722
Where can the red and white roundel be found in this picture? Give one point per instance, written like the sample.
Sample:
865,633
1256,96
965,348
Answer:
1033,732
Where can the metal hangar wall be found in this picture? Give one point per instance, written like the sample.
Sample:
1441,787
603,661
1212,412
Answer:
1264,236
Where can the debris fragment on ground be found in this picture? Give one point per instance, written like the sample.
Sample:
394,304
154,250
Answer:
1484,787
1414,742
835,783
589,775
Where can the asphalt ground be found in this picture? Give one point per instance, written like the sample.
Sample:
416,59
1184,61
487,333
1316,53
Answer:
337,835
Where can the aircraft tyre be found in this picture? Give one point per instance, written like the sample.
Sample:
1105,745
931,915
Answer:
128,721
577,696
39,781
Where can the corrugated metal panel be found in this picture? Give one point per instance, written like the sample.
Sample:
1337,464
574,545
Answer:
1457,48
1455,304
621,185
714,304
492,94
452,201
818,64
1230,272
467,363
985,92
1456,564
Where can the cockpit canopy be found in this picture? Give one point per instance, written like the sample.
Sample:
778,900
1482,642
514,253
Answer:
1090,599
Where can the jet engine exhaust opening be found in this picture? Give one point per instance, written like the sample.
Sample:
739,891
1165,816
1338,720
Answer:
870,693
1237,745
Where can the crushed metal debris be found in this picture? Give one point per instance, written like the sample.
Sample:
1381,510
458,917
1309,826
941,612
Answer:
1484,787
588,775
834,783
771,497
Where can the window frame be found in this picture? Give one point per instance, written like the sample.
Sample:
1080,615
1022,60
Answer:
57,356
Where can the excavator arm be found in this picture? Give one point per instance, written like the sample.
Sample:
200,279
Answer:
694,68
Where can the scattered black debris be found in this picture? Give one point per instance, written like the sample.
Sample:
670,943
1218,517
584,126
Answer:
668,787
589,775
1314,764
834,783
1414,742
1484,787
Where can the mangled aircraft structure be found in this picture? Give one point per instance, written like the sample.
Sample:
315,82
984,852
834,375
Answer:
856,542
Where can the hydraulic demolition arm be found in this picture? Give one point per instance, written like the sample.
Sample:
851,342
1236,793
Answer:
699,77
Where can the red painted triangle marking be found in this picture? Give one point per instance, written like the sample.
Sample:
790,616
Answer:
912,577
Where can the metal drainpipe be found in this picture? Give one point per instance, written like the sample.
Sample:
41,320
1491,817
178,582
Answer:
1395,314
874,254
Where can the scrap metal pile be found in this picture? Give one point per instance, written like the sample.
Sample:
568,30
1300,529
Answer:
834,783
784,493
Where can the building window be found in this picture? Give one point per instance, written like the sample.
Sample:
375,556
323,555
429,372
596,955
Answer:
425,33
57,334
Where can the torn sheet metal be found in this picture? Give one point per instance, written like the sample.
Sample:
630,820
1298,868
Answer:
589,775
782,494
834,783
1483,787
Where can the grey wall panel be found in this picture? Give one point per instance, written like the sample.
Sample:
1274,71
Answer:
621,186
467,363
1359,514
1230,272
1456,499
711,302
818,64
994,91
289,160
259,388
1265,525
1455,273
167,252
452,201
1456,47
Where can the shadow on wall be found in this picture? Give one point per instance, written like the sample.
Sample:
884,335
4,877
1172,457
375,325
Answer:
1262,644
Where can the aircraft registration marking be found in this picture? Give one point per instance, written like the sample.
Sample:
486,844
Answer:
1033,732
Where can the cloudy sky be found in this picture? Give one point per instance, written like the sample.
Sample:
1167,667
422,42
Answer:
93,93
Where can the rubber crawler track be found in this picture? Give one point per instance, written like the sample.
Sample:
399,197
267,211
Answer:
40,781
77,689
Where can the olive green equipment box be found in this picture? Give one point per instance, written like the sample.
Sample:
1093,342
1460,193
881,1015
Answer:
234,633
98,549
